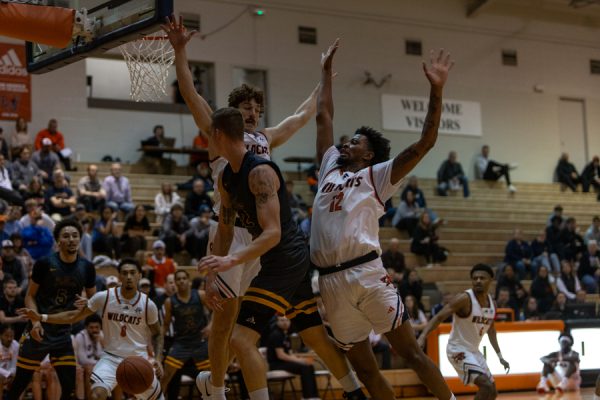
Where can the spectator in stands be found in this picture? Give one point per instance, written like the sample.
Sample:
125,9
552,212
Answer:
557,212
164,200
20,138
104,236
196,238
57,143
9,352
35,214
22,253
202,172
419,196
530,311
159,266
145,286
312,178
411,285
503,297
450,176
559,309
13,221
136,228
518,254
87,225
46,160
6,189
157,139
59,197
13,268
541,254
571,243
23,170
393,260
4,150
35,192
543,290
417,317
566,173
196,199
10,302
380,346
279,358
568,282
118,191
446,299
37,237
590,176
298,206
390,211
90,191
589,268
553,236
509,280
174,228
593,232
407,215
88,346
491,170
3,235
425,242
200,143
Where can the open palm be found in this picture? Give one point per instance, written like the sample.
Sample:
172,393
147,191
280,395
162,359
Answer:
327,57
176,32
437,69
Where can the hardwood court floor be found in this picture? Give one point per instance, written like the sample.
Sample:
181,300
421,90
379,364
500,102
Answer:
584,394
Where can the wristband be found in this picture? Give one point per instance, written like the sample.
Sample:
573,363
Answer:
499,354
44,317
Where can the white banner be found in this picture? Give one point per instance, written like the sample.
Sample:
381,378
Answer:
407,113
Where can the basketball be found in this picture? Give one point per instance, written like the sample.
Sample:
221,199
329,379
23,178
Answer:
135,375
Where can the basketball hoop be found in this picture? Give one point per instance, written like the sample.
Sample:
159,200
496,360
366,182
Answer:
148,60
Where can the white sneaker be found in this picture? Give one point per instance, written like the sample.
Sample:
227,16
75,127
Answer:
512,188
203,384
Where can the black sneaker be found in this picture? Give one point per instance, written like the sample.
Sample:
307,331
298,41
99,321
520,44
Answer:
356,395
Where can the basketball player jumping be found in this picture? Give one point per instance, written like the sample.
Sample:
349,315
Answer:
55,283
354,183
473,315
225,288
127,315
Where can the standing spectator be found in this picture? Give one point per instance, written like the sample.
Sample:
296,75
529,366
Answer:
491,170
20,138
417,317
279,358
4,151
6,188
518,254
593,232
135,231
196,199
407,215
174,229
9,351
298,206
24,169
567,282
13,268
571,243
419,196
59,197
566,173
46,160
159,266
164,201
411,285
21,253
10,302
104,236
196,238
118,191
589,268
393,260
90,191
542,290
57,141
541,254
200,143
451,176
425,242
590,176
509,280
88,349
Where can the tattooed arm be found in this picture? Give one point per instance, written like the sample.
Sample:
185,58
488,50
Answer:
436,73
227,215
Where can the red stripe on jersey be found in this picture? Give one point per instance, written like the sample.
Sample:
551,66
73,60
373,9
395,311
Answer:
106,302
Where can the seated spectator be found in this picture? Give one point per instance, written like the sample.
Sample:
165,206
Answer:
46,160
419,196
571,243
9,352
36,213
23,169
174,228
393,260
530,311
118,191
559,309
518,254
581,308
446,299
154,158
159,266
87,226
4,150
589,268
450,176
164,200
407,215
411,285
22,253
541,254
491,170
35,192
200,142
37,238
59,197
567,281
13,221
279,358
590,176
558,213
10,302
88,347
298,206
20,138
90,191
7,192
12,267
566,173
509,280
561,368
196,238
542,290
196,199
57,143
593,232
3,235
380,346
135,231
105,239
416,316
202,172
425,242
390,211
503,299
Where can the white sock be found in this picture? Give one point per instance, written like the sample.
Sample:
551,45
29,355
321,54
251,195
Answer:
452,397
349,382
218,393
260,394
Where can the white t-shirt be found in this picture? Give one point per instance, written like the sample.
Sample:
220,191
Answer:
8,359
346,210
87,352
125,323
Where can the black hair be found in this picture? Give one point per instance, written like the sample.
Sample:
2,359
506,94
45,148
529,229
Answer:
8,280
65,223
129,261
558,207
379,145
183,271
229,121
505,289
246,93
158,127
482,267
90,319
4,328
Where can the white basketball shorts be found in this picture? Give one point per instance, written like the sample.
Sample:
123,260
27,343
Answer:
104,375
468,364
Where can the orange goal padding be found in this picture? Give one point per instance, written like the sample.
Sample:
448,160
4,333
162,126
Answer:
52,26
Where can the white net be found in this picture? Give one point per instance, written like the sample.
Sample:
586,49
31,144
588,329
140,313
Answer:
148,60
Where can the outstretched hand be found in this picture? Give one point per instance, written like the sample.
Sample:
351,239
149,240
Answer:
437,69
176,32
327,57
29,314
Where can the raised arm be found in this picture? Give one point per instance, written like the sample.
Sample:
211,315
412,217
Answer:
494,342
179,38
437,74
325,103
459,305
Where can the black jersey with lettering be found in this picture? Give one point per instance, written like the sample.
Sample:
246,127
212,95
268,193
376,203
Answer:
59,285
188,318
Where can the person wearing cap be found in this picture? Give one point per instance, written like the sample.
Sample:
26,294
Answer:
45,159
12,267
561,368
112,281
174,228
59,196
158,266
145,286
53,138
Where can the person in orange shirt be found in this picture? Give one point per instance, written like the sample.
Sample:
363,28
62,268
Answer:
159,266
58,143
200,142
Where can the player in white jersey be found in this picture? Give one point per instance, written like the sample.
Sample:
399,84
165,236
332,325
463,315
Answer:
223,291
473,314
354,184
129,319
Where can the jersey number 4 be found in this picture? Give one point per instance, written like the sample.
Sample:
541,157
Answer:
336,202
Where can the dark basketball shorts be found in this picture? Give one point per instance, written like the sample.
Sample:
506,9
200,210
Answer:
32,352
180,353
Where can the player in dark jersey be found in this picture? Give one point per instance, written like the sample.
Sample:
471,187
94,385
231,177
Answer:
186,311
56,283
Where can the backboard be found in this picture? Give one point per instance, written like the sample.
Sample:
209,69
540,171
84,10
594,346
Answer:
114,22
